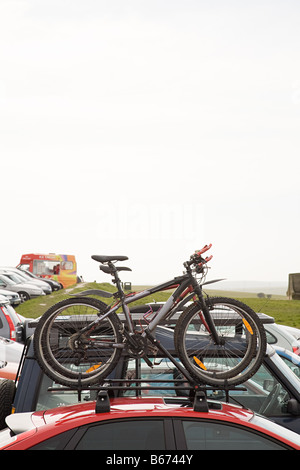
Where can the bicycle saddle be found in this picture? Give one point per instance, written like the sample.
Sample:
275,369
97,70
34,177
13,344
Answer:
105,259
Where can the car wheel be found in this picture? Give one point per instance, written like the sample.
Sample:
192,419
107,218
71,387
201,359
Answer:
7,393
24,296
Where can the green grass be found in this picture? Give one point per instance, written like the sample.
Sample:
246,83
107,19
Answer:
285,312
34,308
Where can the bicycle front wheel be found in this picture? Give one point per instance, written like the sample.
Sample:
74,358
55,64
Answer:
68,355
240,350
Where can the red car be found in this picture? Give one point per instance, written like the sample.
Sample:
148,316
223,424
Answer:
140,423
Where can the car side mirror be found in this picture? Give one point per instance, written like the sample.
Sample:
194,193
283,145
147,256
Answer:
293,407
268,385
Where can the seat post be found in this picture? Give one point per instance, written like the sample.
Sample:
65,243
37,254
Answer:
116,280
125,307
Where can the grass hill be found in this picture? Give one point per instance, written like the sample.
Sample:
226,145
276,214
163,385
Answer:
285,312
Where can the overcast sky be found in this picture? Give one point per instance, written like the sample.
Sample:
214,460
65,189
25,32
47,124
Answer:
149,128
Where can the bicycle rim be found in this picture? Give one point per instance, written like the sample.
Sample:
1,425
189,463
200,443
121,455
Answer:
65,355
242,347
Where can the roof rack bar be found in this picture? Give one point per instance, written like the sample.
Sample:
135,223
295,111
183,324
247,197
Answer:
103,403
109,385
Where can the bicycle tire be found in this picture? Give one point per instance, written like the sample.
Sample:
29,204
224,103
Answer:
54,342
231,363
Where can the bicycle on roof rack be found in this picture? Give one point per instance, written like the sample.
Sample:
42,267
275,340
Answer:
218,340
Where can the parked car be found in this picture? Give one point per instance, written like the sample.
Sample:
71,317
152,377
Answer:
295,332
280,335
13,297
8,371
10,351
145,423
10,355
26,291
17,275
277,335
53,284
11,324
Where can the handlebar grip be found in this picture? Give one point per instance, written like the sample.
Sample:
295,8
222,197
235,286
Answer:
204,249
206,260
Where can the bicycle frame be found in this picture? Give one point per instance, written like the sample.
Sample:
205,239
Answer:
183,288
184,285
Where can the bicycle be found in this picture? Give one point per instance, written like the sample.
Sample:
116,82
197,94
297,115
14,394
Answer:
218,341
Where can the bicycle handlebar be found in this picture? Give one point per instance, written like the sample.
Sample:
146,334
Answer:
197,260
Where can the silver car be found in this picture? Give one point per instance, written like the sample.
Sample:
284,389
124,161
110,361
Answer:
13,297
38,282
25,290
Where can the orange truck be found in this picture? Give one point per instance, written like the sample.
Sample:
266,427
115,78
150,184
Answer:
61,268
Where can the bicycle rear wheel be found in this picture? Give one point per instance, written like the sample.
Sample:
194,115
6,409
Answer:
242,342
65,354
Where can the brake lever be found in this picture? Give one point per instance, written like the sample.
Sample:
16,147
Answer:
199,266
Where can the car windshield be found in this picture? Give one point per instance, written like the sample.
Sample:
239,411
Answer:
6,280
52,394
15,278
29,274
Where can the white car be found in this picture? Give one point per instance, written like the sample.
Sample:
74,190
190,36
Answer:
281,335
10,351
292,331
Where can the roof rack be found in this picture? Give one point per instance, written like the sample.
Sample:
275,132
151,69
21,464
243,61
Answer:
197,392
200,402
103,404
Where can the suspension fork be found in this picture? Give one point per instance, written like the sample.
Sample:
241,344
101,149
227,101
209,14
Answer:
207,320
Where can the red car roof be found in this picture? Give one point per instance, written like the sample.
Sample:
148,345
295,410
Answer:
133,406
45,424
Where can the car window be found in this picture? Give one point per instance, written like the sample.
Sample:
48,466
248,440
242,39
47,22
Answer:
67,265
163,370
60,396
263,393
57,442
271,339
138,434
201,435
